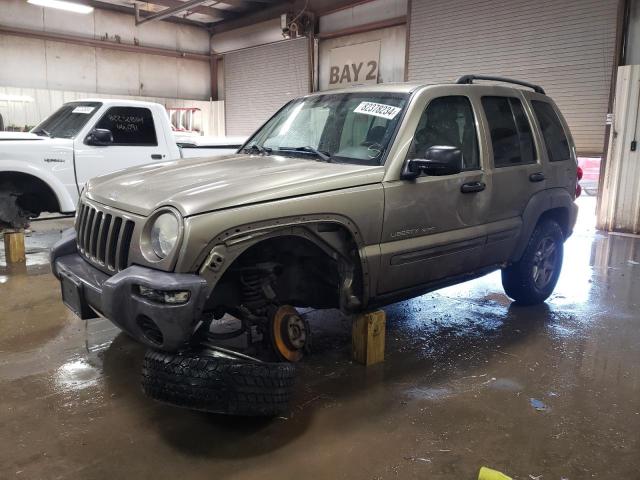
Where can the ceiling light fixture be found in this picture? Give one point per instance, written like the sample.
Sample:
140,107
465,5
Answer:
62,5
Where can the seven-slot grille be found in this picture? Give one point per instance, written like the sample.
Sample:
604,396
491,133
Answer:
103,238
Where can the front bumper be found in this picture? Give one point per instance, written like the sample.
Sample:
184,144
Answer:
89,292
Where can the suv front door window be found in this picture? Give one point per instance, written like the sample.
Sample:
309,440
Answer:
448,121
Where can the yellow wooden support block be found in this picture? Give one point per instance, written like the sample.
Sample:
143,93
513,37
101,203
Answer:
368,333
14,247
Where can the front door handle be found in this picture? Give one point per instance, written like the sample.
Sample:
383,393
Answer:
472,187
536,177
156,156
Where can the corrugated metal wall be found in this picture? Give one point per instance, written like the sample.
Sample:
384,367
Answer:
566,46
620,201
45,64
259,80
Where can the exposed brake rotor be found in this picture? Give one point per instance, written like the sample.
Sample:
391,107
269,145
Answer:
290,333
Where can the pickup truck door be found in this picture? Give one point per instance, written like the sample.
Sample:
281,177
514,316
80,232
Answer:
137,140
434,226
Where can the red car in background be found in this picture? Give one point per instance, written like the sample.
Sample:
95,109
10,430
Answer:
590,174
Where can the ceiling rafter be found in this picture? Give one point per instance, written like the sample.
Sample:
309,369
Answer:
210,10
167,12
192,12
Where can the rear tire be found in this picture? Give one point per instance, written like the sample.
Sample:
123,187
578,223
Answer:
200,381
531,280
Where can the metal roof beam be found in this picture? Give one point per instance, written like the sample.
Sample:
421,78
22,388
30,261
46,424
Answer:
211,10
167,12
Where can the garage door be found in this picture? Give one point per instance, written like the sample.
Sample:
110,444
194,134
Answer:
259,80
565,46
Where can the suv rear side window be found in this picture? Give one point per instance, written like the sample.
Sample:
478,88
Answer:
511,134
131,126
448,121
554,137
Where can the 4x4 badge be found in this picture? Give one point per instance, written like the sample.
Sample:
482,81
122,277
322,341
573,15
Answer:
411,232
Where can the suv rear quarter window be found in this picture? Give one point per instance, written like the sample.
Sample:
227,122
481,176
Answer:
511,134
555,138
132,126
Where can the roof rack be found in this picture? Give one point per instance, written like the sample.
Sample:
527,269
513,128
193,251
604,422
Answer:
468,79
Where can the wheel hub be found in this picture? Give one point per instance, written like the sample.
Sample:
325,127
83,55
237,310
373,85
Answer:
290,333
544,262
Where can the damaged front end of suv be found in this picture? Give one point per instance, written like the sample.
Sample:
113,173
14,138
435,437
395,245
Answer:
164,250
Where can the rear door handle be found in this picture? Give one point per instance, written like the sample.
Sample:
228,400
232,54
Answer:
156,156
536,177
472,187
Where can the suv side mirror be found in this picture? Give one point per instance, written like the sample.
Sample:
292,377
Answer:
100,137
439,160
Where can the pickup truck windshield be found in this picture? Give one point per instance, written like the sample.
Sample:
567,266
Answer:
344,127
67,121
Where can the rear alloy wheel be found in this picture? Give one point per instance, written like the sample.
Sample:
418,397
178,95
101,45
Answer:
532,279
290,333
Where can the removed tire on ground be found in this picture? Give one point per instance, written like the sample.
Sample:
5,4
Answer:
218,381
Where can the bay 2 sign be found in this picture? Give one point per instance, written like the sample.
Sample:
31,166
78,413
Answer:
354,64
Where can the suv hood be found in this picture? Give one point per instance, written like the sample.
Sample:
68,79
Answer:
205,184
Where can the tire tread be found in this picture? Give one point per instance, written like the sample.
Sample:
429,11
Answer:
218,385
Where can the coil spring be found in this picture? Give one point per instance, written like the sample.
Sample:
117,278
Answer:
252,294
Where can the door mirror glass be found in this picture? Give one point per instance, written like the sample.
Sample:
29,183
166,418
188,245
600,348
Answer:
437,161
99,137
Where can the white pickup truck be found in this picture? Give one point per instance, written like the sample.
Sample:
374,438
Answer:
44,170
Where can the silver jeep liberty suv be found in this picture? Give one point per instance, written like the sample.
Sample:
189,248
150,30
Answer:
348,199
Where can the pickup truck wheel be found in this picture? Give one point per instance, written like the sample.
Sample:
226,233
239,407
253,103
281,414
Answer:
12,215
212,381
532,279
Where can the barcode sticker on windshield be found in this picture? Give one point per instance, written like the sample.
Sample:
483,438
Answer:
378,110
83,109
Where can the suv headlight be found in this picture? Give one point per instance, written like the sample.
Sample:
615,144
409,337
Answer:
164,233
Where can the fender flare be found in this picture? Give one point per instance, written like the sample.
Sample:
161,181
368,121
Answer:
226,247
65,201
540,203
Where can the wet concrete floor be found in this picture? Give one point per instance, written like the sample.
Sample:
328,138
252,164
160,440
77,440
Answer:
549,392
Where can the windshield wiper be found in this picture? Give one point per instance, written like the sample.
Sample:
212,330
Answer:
324,156
257,148
42,130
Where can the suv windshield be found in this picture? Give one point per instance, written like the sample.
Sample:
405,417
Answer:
67,121
344,127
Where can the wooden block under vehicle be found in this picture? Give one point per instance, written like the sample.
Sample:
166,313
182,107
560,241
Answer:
14,246
367,334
